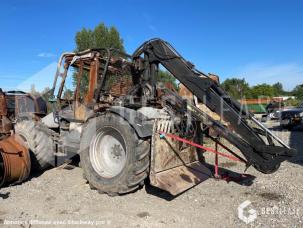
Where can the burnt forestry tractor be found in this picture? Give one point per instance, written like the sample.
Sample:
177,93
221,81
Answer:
128,127
15,162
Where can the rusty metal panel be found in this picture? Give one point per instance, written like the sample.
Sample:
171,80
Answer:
80,111
169,154
214,77
121,86
185,93
93,73
175,167
179,179
5,125
3,108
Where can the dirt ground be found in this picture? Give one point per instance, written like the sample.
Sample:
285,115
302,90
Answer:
62,196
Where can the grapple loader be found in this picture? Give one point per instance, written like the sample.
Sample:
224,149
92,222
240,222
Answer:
113,110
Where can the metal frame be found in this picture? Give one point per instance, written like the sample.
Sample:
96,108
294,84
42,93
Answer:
266,158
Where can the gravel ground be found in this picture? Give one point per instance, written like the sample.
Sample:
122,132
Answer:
61,195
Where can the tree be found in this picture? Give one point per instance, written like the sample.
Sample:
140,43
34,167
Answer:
278,89
106,37
165,76
100,37
46,96
237,88
33,90
298,92
46,93
262,90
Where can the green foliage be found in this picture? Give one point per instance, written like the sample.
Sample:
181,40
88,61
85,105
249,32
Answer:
278,89
165,76
45,94
83,83
68,94
298,92
237,88
291,102
100,37
262,90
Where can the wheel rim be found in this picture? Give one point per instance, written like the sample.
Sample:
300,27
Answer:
108,152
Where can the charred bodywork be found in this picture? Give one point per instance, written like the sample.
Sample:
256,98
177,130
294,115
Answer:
17,104
15,164
109,85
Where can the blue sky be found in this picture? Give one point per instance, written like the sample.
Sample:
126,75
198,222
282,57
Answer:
261,41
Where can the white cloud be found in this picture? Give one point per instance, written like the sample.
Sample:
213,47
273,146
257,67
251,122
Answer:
289,74
46,55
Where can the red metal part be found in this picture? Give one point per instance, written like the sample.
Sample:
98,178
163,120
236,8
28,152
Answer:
216,163
15,164
200,146
226,176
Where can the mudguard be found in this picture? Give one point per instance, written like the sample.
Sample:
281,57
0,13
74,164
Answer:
142,125
138,121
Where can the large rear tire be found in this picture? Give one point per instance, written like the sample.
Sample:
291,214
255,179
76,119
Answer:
39,141
116,160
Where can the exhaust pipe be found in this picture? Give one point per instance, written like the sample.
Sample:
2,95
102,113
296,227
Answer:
15,163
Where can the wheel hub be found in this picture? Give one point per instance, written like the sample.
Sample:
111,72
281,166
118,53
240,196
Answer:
117,151
108,152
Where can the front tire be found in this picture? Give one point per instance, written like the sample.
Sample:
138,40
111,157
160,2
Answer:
116,160
39,140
